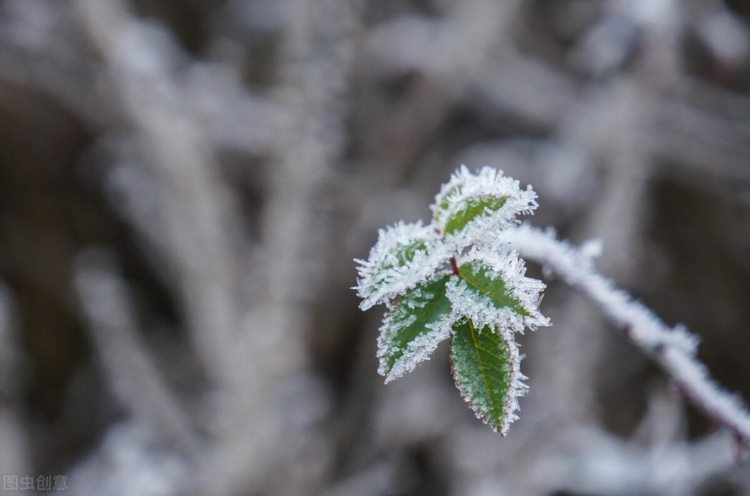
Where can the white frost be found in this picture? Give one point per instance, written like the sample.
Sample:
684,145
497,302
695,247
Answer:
489,239
383,277
674,348
516,387
505,264
488,182
418,350
469,303
578,270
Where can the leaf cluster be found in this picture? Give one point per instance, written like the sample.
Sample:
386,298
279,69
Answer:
452,279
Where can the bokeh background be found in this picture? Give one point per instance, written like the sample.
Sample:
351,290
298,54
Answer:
184,185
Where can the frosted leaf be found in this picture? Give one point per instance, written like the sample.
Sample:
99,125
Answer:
487,298
480,301
410,333
469,303
404,256
470,205
486,368
499,273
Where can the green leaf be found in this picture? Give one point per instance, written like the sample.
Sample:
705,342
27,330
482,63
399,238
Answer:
401,256
444,202
473,208
481,278
414,328
405,253
485,370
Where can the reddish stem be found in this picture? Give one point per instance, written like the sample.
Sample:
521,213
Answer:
454,265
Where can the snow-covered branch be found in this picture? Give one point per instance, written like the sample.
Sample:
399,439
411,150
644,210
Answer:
672,348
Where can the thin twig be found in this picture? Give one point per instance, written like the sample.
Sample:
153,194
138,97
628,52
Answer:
673,349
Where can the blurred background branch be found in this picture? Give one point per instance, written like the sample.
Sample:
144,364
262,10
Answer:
183,186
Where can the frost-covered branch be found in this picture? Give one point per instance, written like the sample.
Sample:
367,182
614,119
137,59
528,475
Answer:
485,297
672,348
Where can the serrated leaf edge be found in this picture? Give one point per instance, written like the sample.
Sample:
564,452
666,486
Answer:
419,349
505,263
487,182
376,285
516,389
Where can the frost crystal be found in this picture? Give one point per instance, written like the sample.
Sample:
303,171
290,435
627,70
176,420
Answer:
415,327
498,369
418,350
467,302
479,303
486,298
404,256
578,270
674,348
504,264
470,205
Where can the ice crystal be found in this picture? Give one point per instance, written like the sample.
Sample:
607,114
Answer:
578,268
470,205
467,302
413,330
673,348
473,377
484,298
418,350
480,301
404,256
504,264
